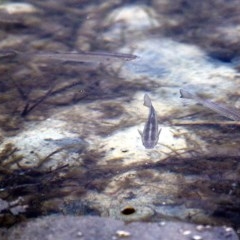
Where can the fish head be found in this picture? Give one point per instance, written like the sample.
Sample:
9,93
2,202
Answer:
150,143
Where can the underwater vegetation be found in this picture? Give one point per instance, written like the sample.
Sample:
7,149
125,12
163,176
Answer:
201,185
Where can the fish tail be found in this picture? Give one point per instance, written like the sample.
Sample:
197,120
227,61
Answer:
147,101
186,94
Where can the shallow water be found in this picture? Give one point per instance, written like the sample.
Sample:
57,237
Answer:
69,131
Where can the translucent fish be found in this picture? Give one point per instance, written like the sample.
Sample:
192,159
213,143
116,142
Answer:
150,134
98,57
223,110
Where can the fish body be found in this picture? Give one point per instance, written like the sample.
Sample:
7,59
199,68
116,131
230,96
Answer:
223,110
87,57
150,134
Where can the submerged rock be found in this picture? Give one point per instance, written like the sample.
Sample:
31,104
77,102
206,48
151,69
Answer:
131,211
91,228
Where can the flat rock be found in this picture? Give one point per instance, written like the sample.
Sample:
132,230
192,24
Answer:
91,228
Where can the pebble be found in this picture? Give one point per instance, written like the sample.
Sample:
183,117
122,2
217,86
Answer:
196,237
121,233
187,232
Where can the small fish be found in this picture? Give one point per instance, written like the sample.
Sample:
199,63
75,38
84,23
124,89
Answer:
150,134
223,110
97,57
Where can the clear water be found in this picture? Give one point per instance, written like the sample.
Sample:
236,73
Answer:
69,131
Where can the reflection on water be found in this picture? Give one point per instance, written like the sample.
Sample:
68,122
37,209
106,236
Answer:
69,129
